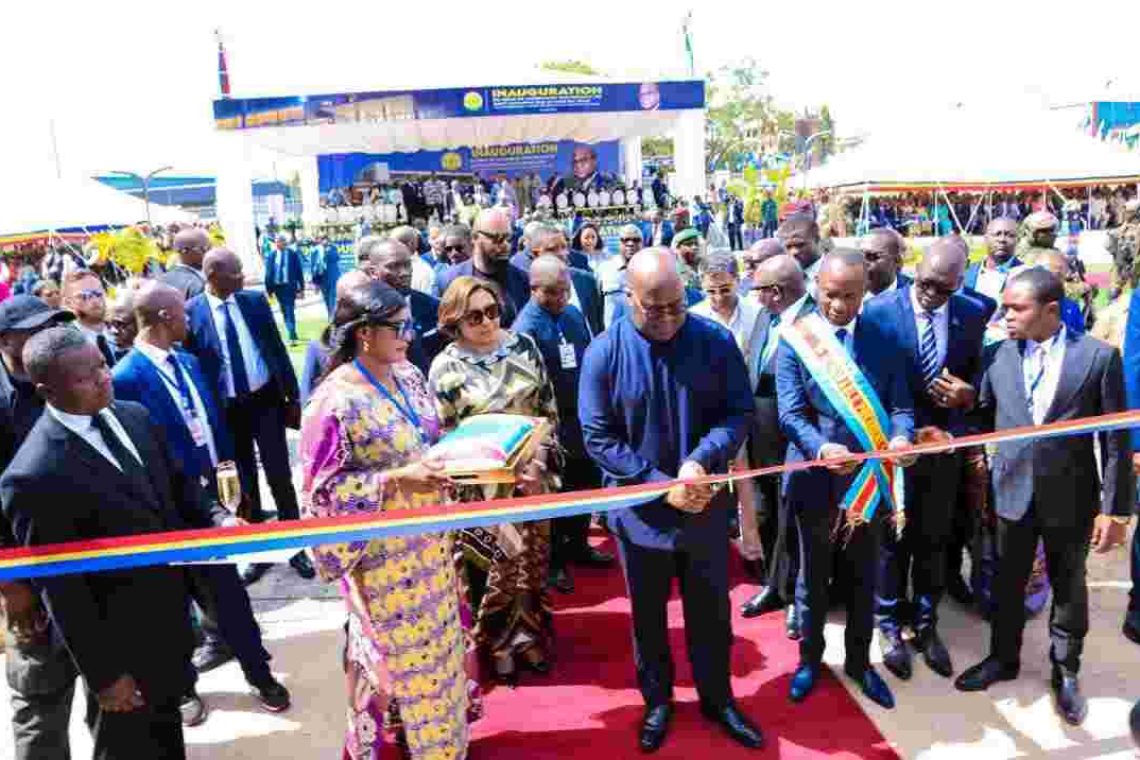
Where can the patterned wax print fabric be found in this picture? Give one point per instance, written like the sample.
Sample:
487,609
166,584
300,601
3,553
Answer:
406,638
514,613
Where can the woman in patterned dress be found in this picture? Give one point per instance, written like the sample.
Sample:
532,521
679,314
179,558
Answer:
366,429
489,370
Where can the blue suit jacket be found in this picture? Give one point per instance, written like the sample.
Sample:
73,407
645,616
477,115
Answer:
971,279
894,311
1131,350
666,232
590,296
274,277
429,341
136,379
808,419
202,340
517,286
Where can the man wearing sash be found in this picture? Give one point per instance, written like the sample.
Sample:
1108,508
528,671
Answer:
842,388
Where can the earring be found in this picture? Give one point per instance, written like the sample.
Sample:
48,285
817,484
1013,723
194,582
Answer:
367,347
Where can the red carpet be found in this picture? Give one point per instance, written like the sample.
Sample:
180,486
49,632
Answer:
589,707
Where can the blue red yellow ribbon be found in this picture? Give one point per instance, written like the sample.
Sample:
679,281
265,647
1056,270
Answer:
231,543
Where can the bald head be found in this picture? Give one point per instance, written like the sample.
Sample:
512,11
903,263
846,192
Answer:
493,220
409,236
223,271
839,260
155,301
191,245
657,294
782,270
653,269
1056,262
630,230
351,281
948,254
547,270
766,248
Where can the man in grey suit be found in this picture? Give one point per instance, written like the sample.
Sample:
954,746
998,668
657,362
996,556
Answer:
1048,488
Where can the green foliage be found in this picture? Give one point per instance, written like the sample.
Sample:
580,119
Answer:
739,113
656,147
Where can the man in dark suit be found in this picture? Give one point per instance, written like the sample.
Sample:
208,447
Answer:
235,339
490,260
657,231
169,383
107,472
939,335
664,396
782,290
1048,489
191,245
815,421
83,295
285,280
549,240
561,334
41,675
883,251
988,277
391,261
529,248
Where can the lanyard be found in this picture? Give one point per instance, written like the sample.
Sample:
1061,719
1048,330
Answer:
182,387
405,408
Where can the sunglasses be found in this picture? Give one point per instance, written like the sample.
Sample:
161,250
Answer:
91,294
453,248
934,288
631,240
475,317
405,330
496,239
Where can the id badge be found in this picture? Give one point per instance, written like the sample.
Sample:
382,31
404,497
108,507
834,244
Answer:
197,432
569,359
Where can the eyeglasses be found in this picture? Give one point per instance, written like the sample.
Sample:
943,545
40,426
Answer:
871,257
631,240
475,317
405,330
724,290
934,288
660,311
773,288
91,294
496,239
454,248
751,264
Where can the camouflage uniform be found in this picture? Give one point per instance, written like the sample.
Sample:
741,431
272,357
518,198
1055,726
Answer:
1124,243
1038,221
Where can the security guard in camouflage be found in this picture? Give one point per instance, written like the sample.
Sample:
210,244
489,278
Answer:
1038,234
1124,244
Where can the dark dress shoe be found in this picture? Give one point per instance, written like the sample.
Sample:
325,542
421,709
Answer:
959,590
984,675
654,726
1071,704
303,566
792,623
560,580
212,654
1131,629
762,603
255,572
591,557
803,681
755,569
271,694
934,652
873,686
193,709
736,725
896,656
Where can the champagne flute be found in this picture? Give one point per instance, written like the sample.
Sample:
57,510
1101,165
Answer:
229,487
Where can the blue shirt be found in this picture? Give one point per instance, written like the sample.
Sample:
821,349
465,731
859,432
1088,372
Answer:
1072,317
549,332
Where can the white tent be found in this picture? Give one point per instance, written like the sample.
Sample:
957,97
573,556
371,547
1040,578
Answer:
964,148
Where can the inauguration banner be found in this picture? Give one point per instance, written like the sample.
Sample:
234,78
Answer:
544,158
231,114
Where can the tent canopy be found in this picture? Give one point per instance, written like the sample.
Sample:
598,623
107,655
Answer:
971,150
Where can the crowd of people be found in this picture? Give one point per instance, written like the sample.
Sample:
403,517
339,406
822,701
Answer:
666,361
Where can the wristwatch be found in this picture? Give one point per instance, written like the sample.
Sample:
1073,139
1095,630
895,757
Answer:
1119,520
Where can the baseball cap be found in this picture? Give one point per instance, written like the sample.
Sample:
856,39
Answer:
24,312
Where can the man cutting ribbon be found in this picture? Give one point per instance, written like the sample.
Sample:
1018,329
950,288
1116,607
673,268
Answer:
841,387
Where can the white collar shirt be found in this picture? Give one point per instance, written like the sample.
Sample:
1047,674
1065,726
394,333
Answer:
255,367
940,322
742,324
1041,366
84,427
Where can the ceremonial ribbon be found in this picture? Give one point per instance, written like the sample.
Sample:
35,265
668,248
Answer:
852,395
230,543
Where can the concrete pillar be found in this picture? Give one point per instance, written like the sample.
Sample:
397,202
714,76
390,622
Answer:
235,200
689,154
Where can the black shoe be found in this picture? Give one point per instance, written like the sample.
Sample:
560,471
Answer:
755,569
255,572
193,709
1071,704
1131,630
271,694
561,580
591,557
792,623
959,590
762,603
212,654
896,656
873,686
803,682
654,726
934,651
738,727
985,674
303,566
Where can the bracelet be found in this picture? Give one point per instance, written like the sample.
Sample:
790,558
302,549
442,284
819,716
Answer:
1121,520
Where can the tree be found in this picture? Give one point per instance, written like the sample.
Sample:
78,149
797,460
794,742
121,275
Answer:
656,147
571,67
739,114
825,145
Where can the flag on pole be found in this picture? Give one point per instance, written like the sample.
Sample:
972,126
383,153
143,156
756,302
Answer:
687,33
223,70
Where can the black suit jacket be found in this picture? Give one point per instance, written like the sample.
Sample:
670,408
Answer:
1058,475
114,622
586,287
516,284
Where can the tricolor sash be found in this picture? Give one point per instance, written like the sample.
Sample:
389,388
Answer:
852,395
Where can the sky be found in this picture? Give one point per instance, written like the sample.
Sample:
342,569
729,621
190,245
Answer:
128,85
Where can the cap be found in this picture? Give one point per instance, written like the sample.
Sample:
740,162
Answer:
28,312
686,234
1041,220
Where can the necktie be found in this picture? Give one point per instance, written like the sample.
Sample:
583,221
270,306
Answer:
841,336
770,345
127,462
928,350
1037,356
240,385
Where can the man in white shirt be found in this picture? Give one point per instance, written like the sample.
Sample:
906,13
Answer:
720,279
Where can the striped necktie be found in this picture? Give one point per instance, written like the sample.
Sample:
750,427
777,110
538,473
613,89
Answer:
928,350
771,343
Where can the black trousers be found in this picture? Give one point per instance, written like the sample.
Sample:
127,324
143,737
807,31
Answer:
1066,553
569,535
154,731
703,580
228,616
779,538
856,566
920,554
260,420
41,681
